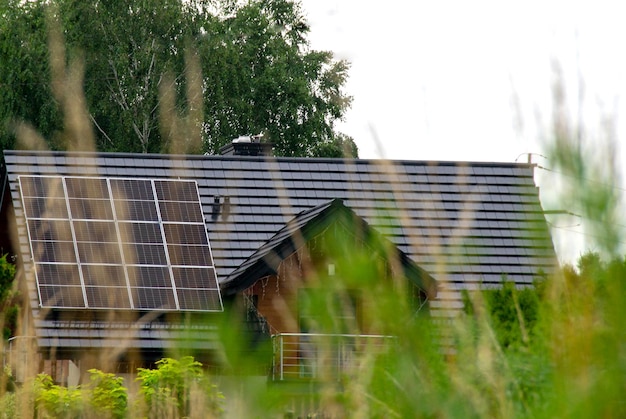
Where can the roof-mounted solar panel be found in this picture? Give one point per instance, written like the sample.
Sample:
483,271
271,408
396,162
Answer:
109,243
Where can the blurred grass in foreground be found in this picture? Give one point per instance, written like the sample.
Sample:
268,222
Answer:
567,359
556,351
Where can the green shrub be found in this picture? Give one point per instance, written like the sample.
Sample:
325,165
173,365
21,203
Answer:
54,401
7,274
178,388
109,397
8,409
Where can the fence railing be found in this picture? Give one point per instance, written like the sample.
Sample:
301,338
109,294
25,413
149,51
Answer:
322,356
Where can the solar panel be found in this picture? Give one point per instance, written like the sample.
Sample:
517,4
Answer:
105,297
110,243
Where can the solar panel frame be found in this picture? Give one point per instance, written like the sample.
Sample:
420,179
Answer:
178,199
102,237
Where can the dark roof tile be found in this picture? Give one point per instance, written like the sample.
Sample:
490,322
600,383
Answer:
491,210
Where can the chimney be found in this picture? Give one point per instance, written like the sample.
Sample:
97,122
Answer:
247,146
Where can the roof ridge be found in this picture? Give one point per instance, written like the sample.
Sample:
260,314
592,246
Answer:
177,157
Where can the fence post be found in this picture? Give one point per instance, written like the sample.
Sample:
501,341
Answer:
282,367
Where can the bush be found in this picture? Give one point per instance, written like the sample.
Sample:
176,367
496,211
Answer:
178,389
54,401
109,397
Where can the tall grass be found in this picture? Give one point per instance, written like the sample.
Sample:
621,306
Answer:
570,363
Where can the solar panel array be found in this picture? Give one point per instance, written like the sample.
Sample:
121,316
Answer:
110,243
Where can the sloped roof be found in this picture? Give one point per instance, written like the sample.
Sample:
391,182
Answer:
302,228
462,222
459,221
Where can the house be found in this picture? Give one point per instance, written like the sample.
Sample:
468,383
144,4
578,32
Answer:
128,256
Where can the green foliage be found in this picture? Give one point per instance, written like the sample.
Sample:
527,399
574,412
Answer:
513,312
54,401
11,314
104,397
7,274
10,311
555,351
109,397
224,69
177,387
583,323
572,363
8,409
265,79
24,71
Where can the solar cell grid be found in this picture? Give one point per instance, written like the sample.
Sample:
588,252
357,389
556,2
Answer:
62,296
52,230
104,275
196,299
130,238
136,210
145,276
132,189
92,188
195,278
54,251
41,186
31,186
180,212
140,232
108,297
97,252
91,209
96,231
185,234
48,208
176,191
154,298
189,255
57,274
145,254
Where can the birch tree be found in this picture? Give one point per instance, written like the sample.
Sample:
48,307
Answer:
225,68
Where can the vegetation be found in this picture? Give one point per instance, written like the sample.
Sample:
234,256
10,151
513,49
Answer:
557,350
7,273
191,80
513,313
109,397
53,401
9,310
178,388
173,389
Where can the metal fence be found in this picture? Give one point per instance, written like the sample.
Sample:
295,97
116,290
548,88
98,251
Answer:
322,356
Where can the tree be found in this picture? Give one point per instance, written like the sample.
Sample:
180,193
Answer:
513,312
212,70
274,83
24,72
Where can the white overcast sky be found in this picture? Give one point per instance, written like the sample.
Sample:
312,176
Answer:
471,80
